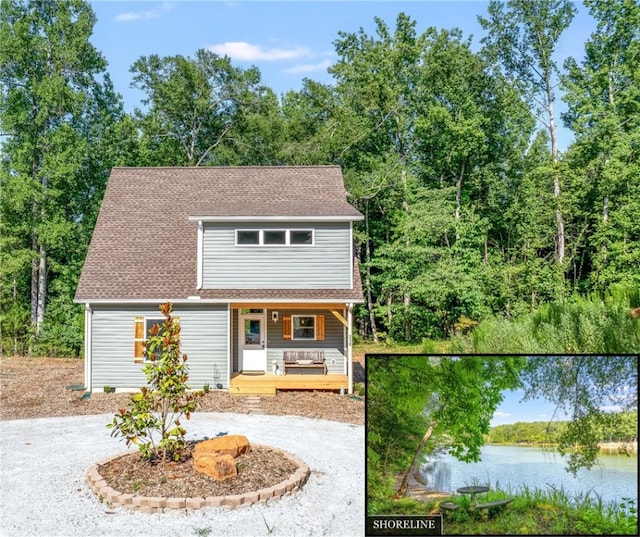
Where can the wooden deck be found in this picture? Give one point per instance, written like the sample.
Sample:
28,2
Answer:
268,384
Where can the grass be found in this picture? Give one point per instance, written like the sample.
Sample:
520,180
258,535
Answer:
427,346
532,512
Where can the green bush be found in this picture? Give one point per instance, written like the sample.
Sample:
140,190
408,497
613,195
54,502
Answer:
599,323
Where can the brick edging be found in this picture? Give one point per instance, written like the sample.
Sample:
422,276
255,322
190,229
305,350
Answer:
152,504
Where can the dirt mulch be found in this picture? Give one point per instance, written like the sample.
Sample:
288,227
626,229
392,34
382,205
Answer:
258,468
40,387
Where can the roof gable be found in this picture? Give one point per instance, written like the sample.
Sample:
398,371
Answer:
144,245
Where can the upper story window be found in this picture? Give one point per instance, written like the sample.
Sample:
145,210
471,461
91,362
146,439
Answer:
274,237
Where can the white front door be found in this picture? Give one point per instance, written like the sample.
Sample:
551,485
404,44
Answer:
252,347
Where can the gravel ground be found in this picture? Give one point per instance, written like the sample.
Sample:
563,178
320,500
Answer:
43,463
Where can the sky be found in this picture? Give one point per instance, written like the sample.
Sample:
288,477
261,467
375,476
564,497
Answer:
287,40
512,410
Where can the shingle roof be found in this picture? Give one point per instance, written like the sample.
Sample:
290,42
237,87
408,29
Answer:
144,245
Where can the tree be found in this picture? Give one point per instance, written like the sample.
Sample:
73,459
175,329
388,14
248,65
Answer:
193,105
423,113
602,95
152,421
56,103
522,38
581,387
452,396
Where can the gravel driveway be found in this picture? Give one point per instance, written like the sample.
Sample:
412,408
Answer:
43,492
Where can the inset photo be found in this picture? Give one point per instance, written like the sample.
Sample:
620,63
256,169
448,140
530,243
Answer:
501,445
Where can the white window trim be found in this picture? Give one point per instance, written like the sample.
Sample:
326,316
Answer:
287,242
293,328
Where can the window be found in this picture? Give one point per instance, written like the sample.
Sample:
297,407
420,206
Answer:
248,237
303,327
274,237
297,236
142,325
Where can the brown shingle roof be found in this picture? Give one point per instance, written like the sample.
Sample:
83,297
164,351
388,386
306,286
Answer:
144,245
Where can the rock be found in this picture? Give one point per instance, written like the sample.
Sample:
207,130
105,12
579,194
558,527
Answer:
220,467
216,457
234,445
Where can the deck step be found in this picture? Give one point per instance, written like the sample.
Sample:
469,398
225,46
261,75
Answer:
249,390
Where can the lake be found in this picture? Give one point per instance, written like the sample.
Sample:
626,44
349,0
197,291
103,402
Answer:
615,477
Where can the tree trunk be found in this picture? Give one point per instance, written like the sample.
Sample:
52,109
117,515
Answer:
42,290
560,235
402,490
367,250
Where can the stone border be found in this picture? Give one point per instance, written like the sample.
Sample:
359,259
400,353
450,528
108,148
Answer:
151,504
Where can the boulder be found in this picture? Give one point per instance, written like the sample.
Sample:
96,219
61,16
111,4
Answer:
216,457
234,445
220,467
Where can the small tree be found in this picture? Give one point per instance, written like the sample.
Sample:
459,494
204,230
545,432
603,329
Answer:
152,419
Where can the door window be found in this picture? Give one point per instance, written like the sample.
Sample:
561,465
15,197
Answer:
252,331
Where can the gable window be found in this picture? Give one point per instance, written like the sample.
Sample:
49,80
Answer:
274,237
246,236
301,236
303,327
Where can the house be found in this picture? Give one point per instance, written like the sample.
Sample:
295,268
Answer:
259,265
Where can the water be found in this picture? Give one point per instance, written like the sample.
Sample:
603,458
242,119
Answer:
503,466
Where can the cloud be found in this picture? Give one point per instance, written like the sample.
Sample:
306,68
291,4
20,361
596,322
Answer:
130,16
308,67
501,414
240,50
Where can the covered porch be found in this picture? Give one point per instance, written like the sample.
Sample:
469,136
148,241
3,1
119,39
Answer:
265,335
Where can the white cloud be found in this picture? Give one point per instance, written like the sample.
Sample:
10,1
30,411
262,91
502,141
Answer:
501,414
308,67
136,16
130,16
239,50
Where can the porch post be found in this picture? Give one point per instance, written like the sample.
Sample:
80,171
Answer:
349,347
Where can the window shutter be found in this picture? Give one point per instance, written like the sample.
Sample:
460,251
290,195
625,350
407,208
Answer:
320,327
286,327
138,339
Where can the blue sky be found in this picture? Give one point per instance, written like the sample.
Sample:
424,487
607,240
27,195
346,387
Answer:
287,40
512,410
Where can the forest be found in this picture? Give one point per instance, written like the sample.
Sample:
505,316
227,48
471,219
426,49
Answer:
550,432
478,229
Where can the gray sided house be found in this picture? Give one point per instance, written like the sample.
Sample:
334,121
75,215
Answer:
257,261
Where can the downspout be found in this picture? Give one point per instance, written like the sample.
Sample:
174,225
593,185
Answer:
349,347
199,255
88,358
229,345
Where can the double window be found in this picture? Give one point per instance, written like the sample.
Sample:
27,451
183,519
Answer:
274,237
